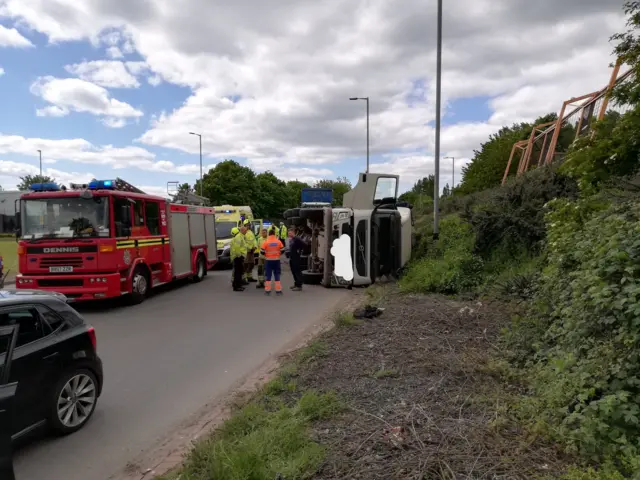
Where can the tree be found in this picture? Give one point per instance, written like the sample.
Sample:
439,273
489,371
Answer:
488,164
446,191
627,51
340,186
229,183
273,196
422,188
294,192
182,191
28,180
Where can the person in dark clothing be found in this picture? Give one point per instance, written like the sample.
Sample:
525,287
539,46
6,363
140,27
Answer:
296,246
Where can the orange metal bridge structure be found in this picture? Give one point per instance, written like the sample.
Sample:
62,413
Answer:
542,146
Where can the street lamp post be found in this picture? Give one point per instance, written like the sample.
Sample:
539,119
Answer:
436,187
367,100
40,152
200,138
453,171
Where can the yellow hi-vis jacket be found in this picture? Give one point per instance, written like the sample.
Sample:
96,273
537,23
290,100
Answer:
250,240
238,246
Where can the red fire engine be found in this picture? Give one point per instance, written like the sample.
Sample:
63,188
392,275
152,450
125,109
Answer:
108,238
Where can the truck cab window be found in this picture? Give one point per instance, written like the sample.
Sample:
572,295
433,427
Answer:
386,187
138,214
121,226
152,213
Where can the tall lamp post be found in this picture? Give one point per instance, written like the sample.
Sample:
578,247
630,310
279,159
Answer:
367,100
453,171
436,186
40,152
200,138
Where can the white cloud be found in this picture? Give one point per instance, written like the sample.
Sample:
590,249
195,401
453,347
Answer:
10,37
1,71
81,151
413,167
10,173
106,73
273,86
114,52
155,190
75,95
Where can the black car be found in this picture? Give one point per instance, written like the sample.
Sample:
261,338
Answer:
55,364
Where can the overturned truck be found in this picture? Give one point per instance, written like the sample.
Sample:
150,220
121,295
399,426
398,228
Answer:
376,227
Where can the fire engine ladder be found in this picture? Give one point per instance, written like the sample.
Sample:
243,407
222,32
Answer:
126,186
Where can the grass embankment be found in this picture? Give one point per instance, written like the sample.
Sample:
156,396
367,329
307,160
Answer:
411,394
567,260
9,253
269,436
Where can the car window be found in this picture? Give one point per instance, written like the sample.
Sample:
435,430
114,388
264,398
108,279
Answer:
4,346
70,316
52,319
28,319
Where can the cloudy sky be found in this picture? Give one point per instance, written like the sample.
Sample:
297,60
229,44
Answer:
112,87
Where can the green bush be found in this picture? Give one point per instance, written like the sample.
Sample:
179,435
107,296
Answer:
449,265
587,365
611,151
512,220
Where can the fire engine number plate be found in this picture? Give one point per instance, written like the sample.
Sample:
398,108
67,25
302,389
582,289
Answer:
60,269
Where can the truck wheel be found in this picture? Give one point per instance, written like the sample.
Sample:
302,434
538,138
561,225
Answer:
292,212
316,215
311,278
140,285
298,222
201,269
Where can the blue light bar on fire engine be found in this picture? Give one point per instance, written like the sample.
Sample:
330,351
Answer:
102,185
44,187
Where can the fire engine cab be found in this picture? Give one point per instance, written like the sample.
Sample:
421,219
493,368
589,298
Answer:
107,238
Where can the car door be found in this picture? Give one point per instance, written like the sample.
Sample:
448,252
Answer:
36,364
8,336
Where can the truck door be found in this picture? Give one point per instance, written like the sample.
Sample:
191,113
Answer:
8,337
361,245
153,247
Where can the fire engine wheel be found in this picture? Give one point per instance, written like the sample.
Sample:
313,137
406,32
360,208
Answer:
316,215
139,285
201,269
311,278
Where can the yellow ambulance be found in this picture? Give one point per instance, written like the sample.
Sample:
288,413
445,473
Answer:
227,217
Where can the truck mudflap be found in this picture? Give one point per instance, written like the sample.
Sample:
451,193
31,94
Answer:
76,288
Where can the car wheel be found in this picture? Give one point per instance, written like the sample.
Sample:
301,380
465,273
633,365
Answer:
140,285
311,278
201,269
74,401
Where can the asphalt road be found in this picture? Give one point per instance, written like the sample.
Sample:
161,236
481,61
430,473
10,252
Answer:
163,361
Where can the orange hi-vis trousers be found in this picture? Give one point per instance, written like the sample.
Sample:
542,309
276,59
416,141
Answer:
272,268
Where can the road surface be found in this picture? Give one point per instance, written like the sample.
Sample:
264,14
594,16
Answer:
164,360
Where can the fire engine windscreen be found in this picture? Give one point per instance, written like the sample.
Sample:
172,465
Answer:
223,229
66,217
